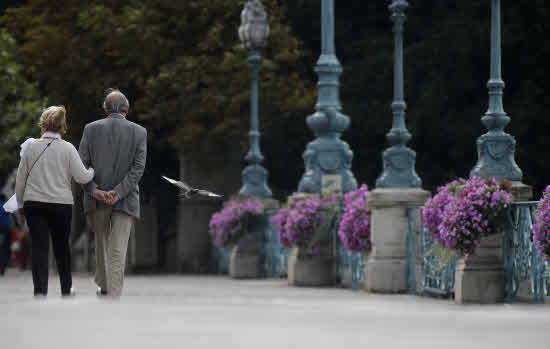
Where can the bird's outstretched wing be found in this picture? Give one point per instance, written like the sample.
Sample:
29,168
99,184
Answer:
208,193
188,191
179,184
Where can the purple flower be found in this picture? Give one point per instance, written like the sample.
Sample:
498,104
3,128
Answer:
354,230
296,224
432,211
463,211
541,228
227,226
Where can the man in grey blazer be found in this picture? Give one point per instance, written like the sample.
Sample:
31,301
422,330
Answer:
116,148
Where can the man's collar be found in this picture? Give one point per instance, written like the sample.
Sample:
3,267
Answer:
116,116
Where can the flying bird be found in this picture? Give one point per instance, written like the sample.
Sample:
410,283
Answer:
188,191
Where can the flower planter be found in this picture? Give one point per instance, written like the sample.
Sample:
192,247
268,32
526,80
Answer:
311,270
479,277
242,223
309,225
244,262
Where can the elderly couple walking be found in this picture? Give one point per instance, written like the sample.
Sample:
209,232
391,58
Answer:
109,164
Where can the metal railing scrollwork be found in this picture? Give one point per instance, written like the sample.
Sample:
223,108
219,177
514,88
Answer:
523,265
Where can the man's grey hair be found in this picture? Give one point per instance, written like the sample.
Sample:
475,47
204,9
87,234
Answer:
116,102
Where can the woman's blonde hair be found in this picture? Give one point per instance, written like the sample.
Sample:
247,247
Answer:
53,119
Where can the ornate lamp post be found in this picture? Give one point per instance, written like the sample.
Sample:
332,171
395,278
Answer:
399,160
397,189
481,277
496,149
253,32
327,154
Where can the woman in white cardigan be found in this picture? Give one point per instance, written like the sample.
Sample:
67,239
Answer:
43,189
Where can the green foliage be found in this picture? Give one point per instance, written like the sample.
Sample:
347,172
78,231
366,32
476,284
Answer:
330,221
184,70
441,254
20,105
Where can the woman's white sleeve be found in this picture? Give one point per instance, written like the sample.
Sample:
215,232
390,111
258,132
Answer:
78,171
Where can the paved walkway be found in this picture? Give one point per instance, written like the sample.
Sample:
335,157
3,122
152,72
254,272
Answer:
195,312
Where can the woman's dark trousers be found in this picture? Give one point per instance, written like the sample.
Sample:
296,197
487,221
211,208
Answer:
5,248
45,219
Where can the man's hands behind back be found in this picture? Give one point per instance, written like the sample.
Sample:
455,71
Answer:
108,197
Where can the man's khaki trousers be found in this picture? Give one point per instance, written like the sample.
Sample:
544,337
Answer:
112,231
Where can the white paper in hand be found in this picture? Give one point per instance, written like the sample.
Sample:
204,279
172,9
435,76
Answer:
11,205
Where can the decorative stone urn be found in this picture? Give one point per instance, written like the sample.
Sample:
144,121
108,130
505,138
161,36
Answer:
479,277
306,269
246,261
314,266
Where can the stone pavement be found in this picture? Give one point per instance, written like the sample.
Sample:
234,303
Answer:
216,312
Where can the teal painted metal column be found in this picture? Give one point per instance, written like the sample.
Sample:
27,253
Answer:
253,32
327,154
496,149
399,160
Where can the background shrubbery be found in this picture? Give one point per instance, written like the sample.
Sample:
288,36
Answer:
181,65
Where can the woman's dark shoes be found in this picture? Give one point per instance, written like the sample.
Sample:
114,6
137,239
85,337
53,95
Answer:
69,294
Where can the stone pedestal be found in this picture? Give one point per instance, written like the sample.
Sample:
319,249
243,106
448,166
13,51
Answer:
479,278
311,270
419,255
386,268
521,192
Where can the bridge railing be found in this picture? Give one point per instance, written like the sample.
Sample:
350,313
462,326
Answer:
527,275
436,276
350,266
273,254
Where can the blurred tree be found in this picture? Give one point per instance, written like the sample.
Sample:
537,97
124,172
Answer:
20,105
182,66
9,3
180,63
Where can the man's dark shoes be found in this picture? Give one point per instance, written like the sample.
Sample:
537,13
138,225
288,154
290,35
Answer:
101,292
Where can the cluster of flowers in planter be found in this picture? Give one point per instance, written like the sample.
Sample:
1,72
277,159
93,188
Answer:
434,207
227,226
298,223
541,228
354,230
464,211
